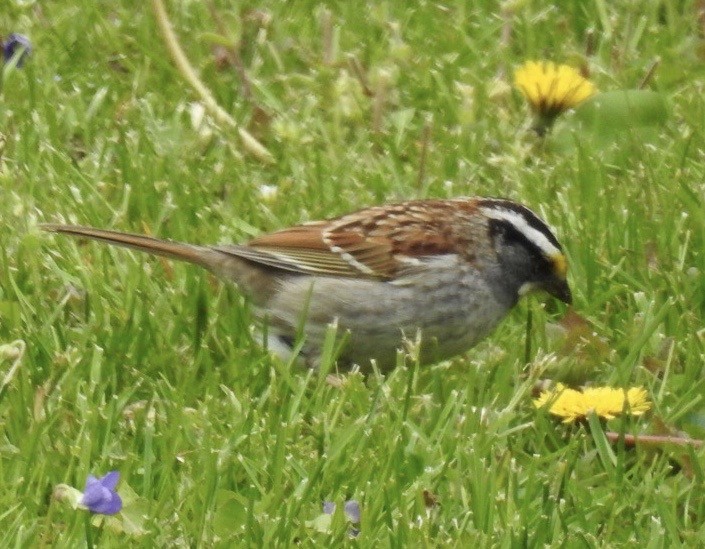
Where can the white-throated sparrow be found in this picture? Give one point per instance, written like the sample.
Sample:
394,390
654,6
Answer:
449,268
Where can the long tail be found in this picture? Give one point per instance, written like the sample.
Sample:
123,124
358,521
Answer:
199,255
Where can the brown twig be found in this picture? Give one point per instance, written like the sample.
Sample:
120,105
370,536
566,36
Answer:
653,440
356,68
233,53
379,102
425,141
700,16
590,43
507,17
327,46
649,76
250,143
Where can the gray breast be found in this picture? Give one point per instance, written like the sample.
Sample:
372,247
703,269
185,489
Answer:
448,301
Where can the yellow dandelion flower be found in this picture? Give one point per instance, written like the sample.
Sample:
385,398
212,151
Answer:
551,89
605,402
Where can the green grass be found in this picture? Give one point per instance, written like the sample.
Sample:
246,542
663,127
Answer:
137,365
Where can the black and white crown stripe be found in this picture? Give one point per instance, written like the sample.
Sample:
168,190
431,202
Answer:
525,222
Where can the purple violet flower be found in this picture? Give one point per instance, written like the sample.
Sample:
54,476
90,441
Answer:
100,495
352,512
16,43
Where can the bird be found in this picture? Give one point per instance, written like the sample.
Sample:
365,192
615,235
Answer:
443,272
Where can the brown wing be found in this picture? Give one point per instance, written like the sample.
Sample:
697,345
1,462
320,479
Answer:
311,249
373,243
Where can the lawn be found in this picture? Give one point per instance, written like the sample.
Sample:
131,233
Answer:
116,361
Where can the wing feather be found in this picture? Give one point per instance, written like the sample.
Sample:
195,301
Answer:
377,243
312,249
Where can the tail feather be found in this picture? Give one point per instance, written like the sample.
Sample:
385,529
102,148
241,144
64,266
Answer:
198,255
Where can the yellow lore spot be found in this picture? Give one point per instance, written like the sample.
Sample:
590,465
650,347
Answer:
560,265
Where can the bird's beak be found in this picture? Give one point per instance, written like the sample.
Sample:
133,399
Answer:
558,288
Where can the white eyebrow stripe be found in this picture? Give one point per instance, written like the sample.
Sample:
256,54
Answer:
519,222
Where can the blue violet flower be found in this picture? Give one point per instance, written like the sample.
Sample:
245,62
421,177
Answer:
352,513
16,43
100,496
